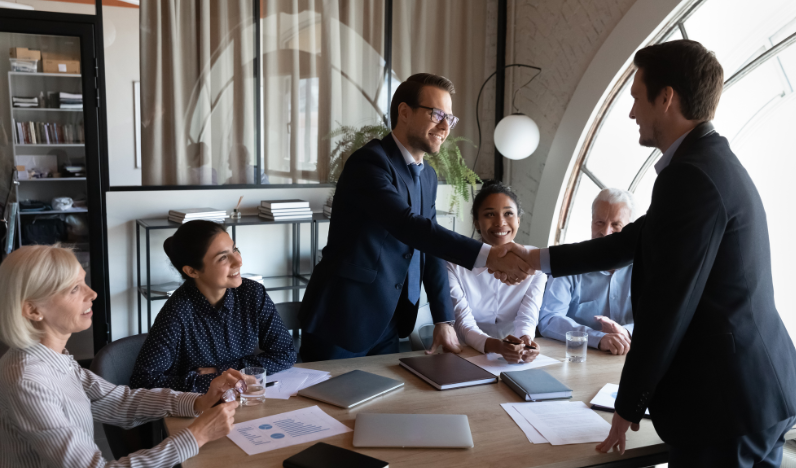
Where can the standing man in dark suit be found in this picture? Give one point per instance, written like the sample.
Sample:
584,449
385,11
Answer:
384,240
710,355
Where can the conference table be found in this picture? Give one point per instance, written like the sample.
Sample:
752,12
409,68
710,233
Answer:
498,441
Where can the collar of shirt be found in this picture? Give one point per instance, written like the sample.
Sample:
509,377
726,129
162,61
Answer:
227,302
61,362
405,152
667,156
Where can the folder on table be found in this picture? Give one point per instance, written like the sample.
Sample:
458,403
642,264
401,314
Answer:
535,384
446,371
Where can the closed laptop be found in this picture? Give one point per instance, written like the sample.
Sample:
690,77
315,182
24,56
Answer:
412,430
350,389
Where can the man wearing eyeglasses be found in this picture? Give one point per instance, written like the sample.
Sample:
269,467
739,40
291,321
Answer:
384,240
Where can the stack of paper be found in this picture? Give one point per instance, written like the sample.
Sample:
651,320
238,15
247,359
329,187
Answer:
281,210
495,364
70,101
558,422
18,101
192,214
292,380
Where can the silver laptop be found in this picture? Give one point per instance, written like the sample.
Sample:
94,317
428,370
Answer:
412,430
351,388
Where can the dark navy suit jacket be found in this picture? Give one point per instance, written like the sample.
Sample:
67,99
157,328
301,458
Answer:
360,281
710,355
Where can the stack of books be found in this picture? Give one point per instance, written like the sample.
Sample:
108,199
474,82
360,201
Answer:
192,214
285,210
25,101
48,133
70,101
327,208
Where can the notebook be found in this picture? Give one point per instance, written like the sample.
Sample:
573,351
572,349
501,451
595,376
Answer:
535,384
284,204
412,430
323,455
446,371
351,388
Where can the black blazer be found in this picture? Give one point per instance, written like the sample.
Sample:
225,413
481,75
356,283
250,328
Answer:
710,355
355,289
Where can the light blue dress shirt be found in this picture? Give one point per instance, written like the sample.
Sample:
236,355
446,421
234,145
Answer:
571,302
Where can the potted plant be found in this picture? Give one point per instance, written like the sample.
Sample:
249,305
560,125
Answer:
448,162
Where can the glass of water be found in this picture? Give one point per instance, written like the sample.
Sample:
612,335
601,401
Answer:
255,389
577,343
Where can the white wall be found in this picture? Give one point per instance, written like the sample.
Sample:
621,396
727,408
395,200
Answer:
265,250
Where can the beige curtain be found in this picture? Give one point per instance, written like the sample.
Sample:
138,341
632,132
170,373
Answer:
448,38
323,67
197,92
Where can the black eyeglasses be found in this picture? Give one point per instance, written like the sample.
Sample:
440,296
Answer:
437,115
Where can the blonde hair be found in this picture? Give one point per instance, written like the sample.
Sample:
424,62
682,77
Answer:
33,273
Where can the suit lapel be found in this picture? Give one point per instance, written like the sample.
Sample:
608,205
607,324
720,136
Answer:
398,163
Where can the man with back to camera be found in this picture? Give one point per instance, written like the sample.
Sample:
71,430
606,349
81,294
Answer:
710,356
597,302
384,240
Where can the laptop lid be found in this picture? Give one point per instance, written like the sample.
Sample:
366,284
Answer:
350,389
412,430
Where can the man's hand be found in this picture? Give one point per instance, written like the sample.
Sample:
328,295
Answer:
505,263
445,336
609,326
218,386
615,343
616,437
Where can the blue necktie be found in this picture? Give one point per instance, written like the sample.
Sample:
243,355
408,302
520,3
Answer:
413,291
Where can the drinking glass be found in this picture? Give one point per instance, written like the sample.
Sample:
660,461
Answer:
255,391
577,343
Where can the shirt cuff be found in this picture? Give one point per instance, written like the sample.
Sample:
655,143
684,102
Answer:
449,322
186,444
544,260
594,339
186,403
480,261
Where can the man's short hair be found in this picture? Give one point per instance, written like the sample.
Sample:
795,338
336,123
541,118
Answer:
615,196
690,69
409,92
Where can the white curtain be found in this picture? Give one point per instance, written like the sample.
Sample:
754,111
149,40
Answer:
197,92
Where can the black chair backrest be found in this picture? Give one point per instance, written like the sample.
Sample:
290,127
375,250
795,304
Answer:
3,348
115,363
289,312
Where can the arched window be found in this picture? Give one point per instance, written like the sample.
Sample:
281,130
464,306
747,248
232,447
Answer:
756,44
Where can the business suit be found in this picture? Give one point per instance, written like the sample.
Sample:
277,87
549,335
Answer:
359,289
710,355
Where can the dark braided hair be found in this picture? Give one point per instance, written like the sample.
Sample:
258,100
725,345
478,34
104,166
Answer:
188,246
492,187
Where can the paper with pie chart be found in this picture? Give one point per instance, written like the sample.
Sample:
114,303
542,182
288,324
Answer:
286,429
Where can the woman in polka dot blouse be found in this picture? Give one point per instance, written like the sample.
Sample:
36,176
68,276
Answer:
214,321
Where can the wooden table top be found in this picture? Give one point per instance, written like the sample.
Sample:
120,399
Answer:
497,439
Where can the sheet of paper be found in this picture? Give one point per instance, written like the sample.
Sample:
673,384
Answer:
530,432
495,363
286,429
288,385
312,377
606,397
566,422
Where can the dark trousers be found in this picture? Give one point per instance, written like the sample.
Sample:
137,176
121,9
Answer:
759,450
315,348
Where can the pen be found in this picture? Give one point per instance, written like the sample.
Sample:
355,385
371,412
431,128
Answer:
271,384
526,346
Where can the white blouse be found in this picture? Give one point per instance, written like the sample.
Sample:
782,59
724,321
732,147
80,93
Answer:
486,308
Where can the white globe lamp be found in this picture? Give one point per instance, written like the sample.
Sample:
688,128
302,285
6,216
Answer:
517,136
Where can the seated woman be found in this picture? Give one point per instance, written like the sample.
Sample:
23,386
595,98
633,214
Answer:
48,403
488,311
214,321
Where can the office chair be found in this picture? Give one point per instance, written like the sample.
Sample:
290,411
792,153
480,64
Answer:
289,312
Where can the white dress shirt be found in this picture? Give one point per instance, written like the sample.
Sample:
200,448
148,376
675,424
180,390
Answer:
480,261
48,405
484,307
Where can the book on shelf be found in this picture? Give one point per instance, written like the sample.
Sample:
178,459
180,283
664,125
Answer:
290,211
48,133
163,289
284,204
198,213
18,101
185,220
271,217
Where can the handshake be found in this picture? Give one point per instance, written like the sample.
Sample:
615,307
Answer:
511,263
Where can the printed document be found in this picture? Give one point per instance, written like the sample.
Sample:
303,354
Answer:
286,429
532,434
565,422
495,363
292,380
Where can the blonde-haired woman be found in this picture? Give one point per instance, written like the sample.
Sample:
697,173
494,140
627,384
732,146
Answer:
48,403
